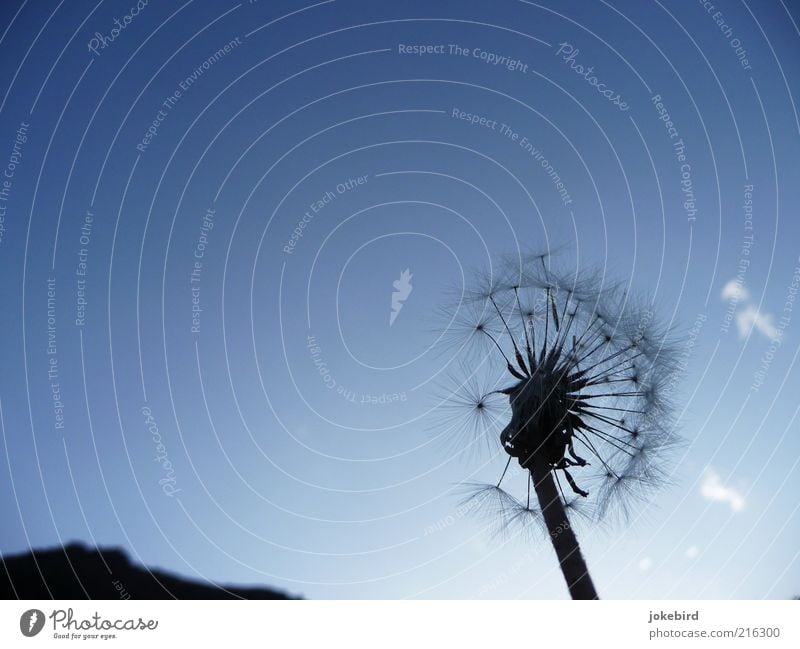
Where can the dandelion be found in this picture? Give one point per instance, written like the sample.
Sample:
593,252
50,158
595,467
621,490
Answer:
584,372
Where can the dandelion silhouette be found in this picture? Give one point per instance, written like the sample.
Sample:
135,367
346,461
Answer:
589,421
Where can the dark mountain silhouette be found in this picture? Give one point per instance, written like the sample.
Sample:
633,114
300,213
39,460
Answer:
80,572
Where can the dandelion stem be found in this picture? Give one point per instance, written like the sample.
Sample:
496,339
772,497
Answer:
565,543
528,505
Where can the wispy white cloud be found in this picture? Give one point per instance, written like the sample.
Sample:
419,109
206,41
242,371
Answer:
750,317
735,290
645,563
712,489
692,552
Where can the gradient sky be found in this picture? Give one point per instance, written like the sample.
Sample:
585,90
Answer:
275,477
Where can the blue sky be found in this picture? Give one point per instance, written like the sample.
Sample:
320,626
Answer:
197,138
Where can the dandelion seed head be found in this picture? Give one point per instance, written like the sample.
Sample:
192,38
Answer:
586,373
